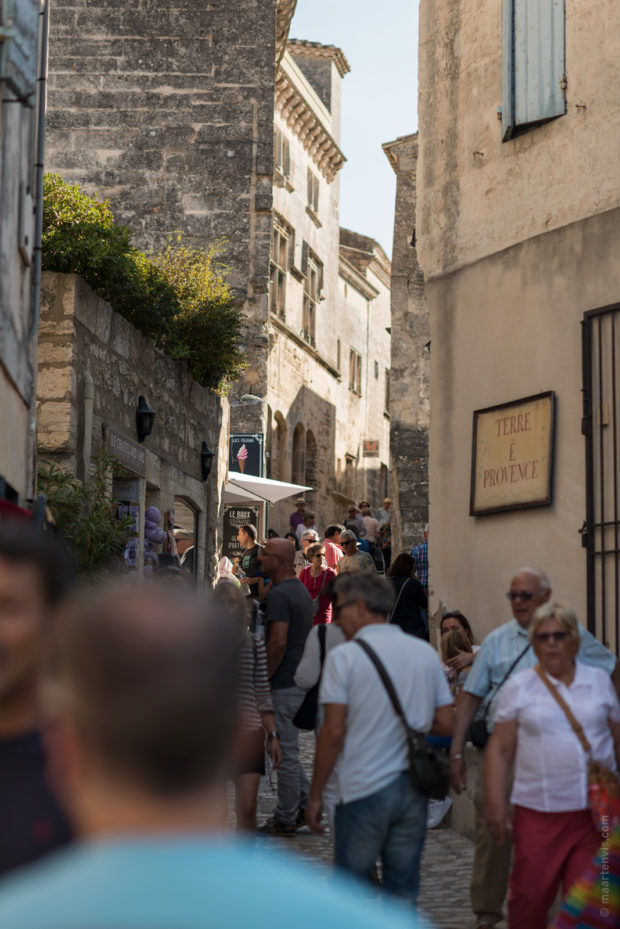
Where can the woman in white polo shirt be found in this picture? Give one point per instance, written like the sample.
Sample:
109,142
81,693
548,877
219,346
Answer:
553,831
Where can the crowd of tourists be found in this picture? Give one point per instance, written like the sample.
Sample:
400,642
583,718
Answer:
125,710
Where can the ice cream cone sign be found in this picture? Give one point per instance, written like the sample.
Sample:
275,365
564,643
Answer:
242,455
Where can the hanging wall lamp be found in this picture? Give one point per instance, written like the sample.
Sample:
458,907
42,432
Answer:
206,461
144,419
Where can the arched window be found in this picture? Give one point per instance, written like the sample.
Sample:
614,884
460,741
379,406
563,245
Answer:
299,454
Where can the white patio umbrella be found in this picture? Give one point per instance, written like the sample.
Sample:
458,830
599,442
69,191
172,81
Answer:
243,488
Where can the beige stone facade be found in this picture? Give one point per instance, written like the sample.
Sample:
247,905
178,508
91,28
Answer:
329,306
519,241
83,341
18,324
410,362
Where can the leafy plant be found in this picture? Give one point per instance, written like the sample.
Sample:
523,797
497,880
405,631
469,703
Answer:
206,329
177,296
85,514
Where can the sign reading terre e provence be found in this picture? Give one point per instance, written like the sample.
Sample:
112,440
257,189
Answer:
512,455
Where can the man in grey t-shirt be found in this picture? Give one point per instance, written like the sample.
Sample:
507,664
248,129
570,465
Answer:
289,620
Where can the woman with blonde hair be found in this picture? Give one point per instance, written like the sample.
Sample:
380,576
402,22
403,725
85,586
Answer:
537,723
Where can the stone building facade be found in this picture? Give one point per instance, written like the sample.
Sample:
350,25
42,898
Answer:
83,342
166,109
329,304
519,239
410,363
198,119
20,27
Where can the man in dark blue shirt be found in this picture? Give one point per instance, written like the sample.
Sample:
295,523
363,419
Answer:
34,575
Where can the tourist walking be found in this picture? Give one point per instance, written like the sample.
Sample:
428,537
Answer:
353,559
288,622
552,720
315,579
35,575
504,652
410,597
301,560
379,814
257,721
331,541
142,728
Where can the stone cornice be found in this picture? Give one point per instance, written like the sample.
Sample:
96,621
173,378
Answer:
353,277
300,117
278,323
391,148
316,50
284,15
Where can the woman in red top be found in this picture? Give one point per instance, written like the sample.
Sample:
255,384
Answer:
315,579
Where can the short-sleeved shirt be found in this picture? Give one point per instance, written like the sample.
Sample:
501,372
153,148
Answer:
375,752
419,553
333,553
289,602
296,519
359,561
32,822
502,646
186,882
551,767
250,566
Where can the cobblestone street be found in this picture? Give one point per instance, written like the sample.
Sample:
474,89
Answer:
446,862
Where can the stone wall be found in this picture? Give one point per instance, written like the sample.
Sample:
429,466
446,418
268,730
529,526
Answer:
79,333
167,110
410,366
479,195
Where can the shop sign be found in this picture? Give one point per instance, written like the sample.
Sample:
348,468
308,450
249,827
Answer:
370,448
512,455
246,454
130,454
234,517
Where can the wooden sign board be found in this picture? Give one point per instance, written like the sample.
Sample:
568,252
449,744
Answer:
130,454
370,448
512,455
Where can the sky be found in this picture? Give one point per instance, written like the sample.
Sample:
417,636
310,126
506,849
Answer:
379,98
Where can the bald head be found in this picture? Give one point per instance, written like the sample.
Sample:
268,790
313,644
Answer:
149,681
278,559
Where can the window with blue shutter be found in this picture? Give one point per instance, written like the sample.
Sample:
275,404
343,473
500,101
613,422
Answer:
18,47
533,63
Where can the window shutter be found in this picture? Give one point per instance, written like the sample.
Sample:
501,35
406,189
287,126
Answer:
286,157
291,249
320,281
19,22
304,258
533,62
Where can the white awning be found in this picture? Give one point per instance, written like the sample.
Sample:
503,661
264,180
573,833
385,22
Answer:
246,488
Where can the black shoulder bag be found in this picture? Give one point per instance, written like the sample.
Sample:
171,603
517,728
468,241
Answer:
305,717
478,732
429,770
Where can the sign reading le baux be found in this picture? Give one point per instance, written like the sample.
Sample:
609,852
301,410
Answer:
512,455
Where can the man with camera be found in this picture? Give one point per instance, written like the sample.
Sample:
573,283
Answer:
379,814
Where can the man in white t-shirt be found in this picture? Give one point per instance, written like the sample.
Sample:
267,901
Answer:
379,813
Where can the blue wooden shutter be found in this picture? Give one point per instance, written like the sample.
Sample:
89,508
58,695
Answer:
533,65
18,47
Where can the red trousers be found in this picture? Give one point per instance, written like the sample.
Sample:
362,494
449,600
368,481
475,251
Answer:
549,849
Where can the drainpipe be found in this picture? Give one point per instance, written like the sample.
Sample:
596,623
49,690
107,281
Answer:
38,222
89,396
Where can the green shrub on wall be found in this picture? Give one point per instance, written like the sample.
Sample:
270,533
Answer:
85,515
177,296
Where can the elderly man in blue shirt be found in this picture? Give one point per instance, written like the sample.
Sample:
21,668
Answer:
504,652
